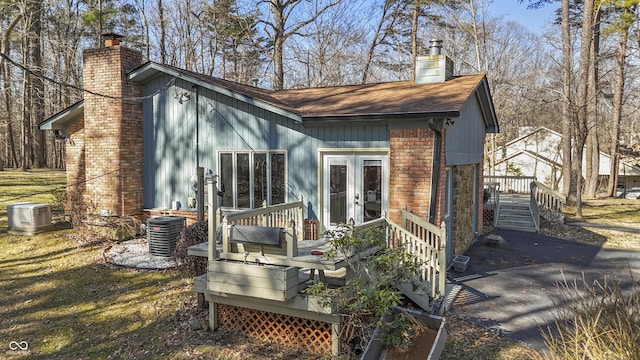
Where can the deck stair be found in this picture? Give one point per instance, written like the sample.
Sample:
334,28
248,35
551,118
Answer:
515,215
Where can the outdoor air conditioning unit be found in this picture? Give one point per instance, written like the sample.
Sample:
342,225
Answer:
28,218
162,234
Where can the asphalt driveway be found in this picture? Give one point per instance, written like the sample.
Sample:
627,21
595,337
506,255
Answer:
512,288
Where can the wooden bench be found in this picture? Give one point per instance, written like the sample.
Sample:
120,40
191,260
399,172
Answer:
251,242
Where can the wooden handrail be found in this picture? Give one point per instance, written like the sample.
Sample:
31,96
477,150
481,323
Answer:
515,184
550,202
426,241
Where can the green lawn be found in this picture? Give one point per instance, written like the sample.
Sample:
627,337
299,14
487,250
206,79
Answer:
615,221
30,186
59,296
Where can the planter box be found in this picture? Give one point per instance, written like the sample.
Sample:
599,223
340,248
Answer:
460,263
429,346
270,282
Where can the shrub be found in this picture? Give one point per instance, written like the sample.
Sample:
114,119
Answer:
193,235
370,293
599,321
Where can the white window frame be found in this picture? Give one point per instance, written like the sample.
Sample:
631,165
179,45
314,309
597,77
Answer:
234,180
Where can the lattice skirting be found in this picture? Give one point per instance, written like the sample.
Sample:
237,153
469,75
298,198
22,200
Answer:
310,335
487,217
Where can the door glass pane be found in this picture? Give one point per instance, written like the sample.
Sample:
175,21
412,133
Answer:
260,178
244,198
226,179
338,192
278,189
372,183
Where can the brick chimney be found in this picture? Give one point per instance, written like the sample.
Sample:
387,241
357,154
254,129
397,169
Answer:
435,67
112,130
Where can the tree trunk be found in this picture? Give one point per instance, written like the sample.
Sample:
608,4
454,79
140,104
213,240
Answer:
592,157
414,39
277,11
37,93
617,111
582,96
163,33
566,103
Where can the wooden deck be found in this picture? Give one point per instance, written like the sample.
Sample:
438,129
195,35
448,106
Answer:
270,274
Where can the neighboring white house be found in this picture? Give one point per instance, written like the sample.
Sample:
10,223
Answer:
537,152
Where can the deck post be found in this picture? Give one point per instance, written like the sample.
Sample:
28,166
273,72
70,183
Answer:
335,338
442,257
300,220
265,216
212,202
213,315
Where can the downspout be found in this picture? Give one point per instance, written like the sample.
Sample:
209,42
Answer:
199,170
196,88
435,177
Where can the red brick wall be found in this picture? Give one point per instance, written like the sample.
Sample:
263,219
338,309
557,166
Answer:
411,164
74,153
113,149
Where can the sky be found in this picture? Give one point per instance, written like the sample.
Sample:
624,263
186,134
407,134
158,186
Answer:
536,20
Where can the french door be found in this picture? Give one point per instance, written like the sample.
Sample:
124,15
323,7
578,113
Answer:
354,188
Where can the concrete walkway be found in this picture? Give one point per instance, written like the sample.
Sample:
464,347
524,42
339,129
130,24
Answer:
512,288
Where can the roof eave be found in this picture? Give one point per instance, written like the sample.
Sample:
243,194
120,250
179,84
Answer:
486,104
367,117
150,70
64,118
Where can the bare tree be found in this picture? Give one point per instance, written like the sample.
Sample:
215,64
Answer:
620,26
10,149
390,16
278,28
592,151
565,100
582,97
332,53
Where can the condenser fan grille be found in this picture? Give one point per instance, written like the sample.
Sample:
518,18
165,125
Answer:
163,233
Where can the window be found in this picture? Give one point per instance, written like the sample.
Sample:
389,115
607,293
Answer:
251,178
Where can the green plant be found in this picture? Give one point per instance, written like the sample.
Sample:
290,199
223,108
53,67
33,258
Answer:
513,170
600,321
371,292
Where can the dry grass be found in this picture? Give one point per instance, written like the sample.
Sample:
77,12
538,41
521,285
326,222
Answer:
596,321
58,296
467,341
608,222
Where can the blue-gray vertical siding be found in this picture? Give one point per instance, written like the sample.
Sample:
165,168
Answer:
464,142
230,124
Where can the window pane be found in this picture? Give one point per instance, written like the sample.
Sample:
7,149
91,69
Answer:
278,186
372,175
338,195
226,179
260,178
244,196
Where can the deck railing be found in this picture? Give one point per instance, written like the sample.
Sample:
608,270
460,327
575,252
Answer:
425,241
533,206
549,201
417,236
512,184
280,215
